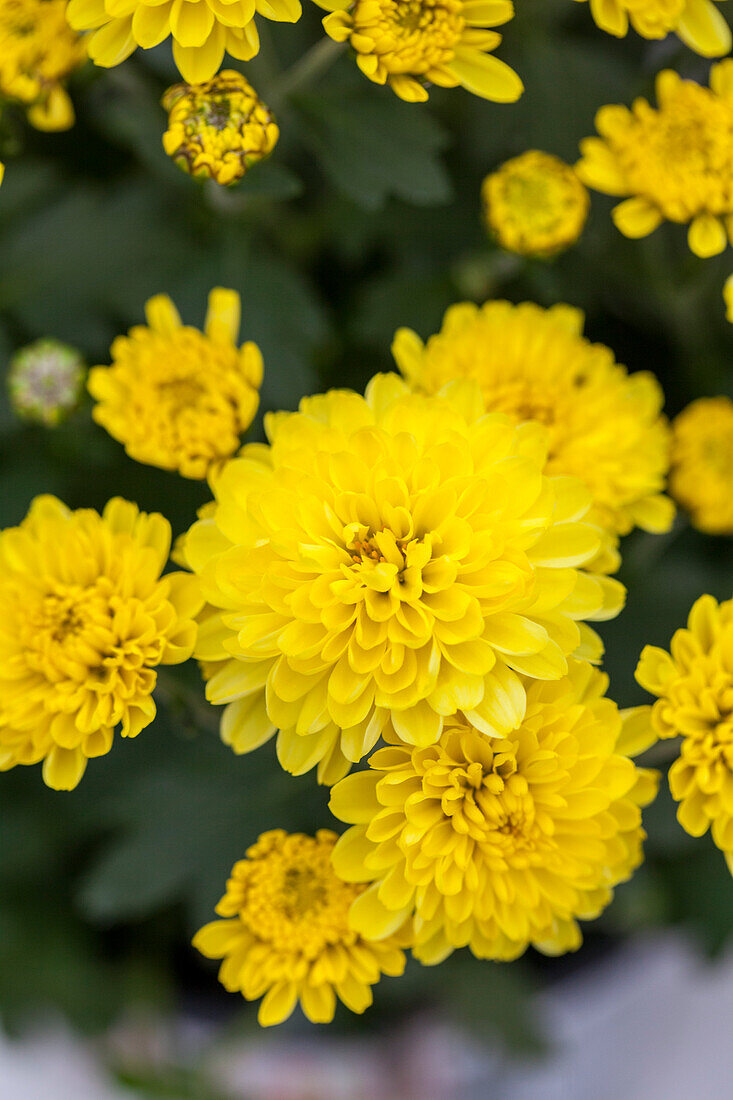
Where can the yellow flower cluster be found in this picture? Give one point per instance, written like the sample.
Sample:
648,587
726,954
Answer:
674,162
503,841
178,398
202,30
393,557
694,685
410,44
535,204
38,51
604,426
698,23
286,932
701,478
86,619
218,129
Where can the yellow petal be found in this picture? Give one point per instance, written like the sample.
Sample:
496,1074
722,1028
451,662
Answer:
191,22
54,113
113,43
372,919
198,64
318,1003
610,16
599,169
63,768
354,799
151,25
83,15
215,939
277,1004
223,316
245,724
703,28
706,236
161,315
636,218
486,76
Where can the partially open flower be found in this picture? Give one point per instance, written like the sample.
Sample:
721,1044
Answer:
702,463
409,44
45,381
669,163
38,50
535,204
218,129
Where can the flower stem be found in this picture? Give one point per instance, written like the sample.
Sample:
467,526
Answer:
317,59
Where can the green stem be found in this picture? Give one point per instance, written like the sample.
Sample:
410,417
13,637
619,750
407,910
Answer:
318,58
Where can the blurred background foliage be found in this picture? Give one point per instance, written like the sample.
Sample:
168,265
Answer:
366,218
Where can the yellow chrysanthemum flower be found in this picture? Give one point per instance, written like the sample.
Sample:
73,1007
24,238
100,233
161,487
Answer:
701,478
498,842
393,556
85,620
535,204
202,30
605,426
176,397
410,44
676,161
218,129
698,23
694,685
38,51
287,935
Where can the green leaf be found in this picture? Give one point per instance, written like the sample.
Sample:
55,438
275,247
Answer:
372,145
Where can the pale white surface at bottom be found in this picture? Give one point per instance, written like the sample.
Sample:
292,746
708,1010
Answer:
651,1022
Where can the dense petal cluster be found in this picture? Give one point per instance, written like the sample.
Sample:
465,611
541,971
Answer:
286,932
218,129
701,478
675,162
604,425
694,685
45,381
38,51
410,44
85,619
698,23
396,556
176,397
535,204
202,30
503,841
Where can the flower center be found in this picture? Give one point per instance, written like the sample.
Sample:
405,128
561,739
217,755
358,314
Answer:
412,35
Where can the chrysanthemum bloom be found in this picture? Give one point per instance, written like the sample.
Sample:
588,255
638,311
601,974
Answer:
176,397
85,619
694,685
697,22
287,933
535,204
410,44
675,162
499,842
701,478
604,425
38,51
218,129
202,30
45,381
397,556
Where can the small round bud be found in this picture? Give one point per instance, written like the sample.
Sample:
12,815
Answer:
45,381
534,204
219,129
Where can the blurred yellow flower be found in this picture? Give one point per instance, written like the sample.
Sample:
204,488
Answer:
503,841
202,30
535,204
38,51
605,426
694,685
393,556
701,478
218,129
410,44
86,619
675,162
697,22
287,934
178,398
